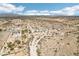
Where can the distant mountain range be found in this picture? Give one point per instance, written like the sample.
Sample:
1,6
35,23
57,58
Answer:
31,16
9,15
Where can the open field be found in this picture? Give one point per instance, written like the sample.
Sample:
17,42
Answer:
39,36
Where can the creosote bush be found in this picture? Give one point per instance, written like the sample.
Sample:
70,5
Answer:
0,29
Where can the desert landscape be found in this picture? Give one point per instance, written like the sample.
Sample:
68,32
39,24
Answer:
39,36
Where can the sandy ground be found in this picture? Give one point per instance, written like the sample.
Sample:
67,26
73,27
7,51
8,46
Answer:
47,37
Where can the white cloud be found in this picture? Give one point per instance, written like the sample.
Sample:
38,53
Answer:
73,8
68,10
5,7
10,8
64,11
36,12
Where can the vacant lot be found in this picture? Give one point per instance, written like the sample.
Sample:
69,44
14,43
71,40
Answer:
39,36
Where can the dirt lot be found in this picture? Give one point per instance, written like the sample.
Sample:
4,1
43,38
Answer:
39,36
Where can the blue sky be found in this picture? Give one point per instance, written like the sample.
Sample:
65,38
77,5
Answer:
40,8
46,6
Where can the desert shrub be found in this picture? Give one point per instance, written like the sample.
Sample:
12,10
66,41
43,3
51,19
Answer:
0,29
24,31
10,45
24,36
17,41
78,37
29,31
